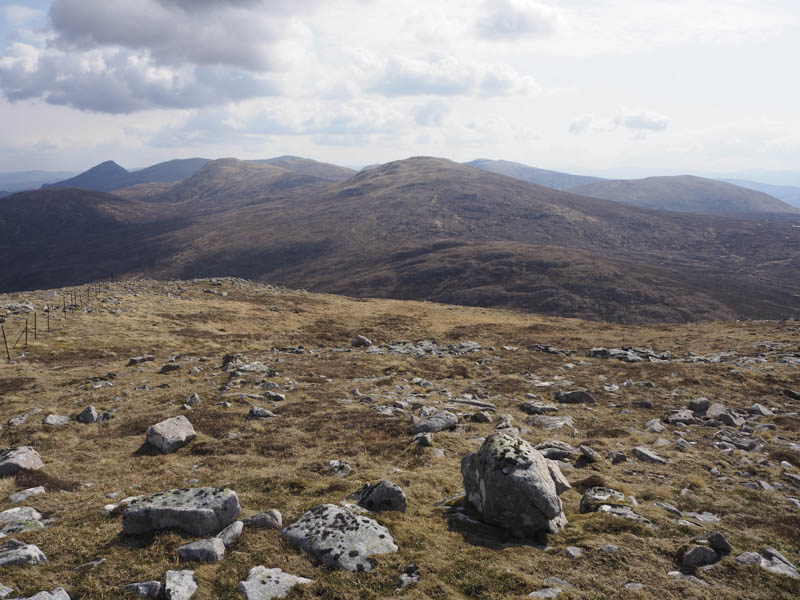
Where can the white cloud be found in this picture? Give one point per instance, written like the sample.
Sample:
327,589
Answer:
447,76
514,19
17,14
641,121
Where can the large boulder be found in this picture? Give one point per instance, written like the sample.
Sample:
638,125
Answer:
340,539
512,485
179,585
197,511
383,495
770,560
24,457
265,584
171,434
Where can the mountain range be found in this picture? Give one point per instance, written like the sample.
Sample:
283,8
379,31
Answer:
109,176
421,228
786,193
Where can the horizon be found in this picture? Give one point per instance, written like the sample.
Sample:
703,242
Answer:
600,89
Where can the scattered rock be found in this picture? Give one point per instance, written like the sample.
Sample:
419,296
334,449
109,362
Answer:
180,585
146,589
210,550
56,594
56,420
654,426
481,417
646,455
87,415
265,584
550,423
361,342
771,560
573,552
23,495
339,539
552,592
439,421
197,511
18,553
575,397
511,485
171,434
23,457
231,533
340,468
698,556
137,360
270,519
409,576
380,496
169,368
257,412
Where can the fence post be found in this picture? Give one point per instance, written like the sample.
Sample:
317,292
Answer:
35,327
5,342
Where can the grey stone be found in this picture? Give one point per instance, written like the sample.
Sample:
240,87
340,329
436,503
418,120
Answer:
550,423
596,497
536,408
56,420
481,417
634,586
718,542
341,468
616,457
759,410
146,589
384,495
56,594
20,419
340,539
23,495
257,412
171,434
5,591
556,450
720,412
589,454
137,360
511,485
688,578
573,552
18,553
669,508
231,533
271,519
20,519
699,405
703,517
654,426
770,560
265,584
646,455
197,511
424,439
439,421
610,548
575,397
192,399
87,415
179,585
683,417
792,478
697,556
169,368
210,550
361,342
409,576
552,592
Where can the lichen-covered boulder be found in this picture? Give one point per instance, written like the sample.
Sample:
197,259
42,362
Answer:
24,457
512,485
340,539
197,511
14,552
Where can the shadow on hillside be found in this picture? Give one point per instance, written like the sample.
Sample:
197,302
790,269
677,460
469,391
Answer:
147,449
464,520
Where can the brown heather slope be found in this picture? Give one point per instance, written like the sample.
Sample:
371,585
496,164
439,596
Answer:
427,228
686,193
306,166
282,463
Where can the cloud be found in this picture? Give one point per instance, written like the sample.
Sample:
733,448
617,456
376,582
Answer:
438,75
112,81
514,19
640,121
431,114
16,14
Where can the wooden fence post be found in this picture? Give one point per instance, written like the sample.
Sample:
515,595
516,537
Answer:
35,327
8,354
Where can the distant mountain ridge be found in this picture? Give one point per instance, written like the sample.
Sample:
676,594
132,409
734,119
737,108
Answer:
686,193
552,179
109,176
306,166
18,181
785,193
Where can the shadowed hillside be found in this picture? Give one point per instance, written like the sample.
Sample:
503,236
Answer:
427,228
686,193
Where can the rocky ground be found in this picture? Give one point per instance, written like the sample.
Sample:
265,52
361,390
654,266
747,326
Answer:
226,439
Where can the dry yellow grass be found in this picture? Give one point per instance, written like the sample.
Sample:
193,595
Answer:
282,463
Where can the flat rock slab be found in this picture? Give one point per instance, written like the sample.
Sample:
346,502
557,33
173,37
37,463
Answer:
18,553
550,423
56,420
770,560
179,585
646,455
146,589
265,584
197,511
24,457
576,397
439,421
171,434
56,594
339,539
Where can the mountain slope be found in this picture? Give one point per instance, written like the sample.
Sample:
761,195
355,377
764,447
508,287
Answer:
786,193
685,193
551,179
306,166
427,228
109,176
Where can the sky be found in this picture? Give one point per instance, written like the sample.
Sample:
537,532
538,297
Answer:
586,86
